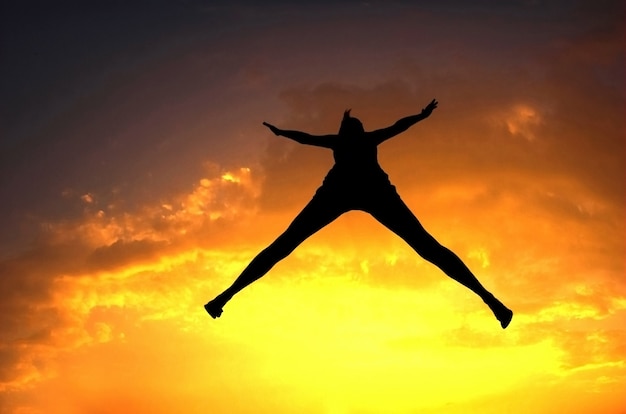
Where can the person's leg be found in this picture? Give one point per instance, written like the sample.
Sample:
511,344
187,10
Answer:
396,216
318,213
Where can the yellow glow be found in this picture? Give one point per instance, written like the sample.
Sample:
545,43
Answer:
352,321
230,177
320,341
482,255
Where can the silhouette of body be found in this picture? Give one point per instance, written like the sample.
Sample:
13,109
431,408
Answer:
357,182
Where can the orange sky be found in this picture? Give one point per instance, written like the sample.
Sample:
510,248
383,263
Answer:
138,182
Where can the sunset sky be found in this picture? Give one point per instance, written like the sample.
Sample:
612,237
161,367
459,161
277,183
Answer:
137,181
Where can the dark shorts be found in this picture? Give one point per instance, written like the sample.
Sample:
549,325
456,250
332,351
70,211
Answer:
353,195
339,195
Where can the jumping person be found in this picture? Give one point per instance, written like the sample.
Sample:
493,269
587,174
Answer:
357,182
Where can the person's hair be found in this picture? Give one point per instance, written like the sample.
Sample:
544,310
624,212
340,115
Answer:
350,125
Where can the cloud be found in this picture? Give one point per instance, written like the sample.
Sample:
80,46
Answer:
520,120
124,252
50,290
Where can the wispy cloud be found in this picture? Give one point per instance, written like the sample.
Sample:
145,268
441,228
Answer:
50,291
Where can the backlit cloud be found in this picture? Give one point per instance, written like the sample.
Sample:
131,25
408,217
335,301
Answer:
60,282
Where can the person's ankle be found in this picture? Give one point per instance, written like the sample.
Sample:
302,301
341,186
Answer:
488,298
222,298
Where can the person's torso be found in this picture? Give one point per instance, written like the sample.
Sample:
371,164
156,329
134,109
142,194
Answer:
356,163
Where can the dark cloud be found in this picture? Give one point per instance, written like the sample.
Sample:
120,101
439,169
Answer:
572,86
123,252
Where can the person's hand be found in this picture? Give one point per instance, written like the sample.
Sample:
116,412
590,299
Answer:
272,128
429,108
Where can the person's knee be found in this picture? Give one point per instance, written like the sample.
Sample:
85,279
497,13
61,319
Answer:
282,247
432,251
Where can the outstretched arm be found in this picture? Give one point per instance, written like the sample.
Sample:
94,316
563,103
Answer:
403,124
325,141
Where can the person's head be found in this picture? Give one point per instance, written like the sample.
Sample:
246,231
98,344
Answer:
350,125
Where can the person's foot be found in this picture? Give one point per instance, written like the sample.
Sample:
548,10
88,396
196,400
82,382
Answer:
214,308
501,312
504,316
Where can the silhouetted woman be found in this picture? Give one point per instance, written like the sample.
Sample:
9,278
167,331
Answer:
357,182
